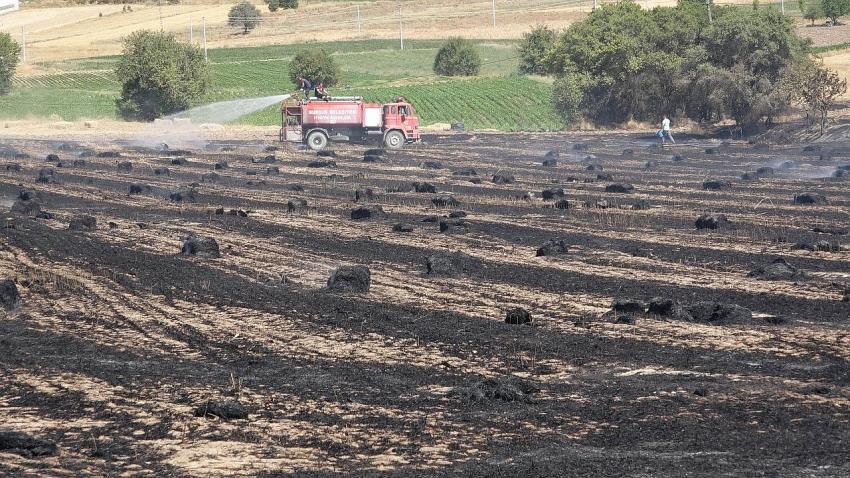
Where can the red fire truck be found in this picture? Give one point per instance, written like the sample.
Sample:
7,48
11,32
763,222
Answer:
316,122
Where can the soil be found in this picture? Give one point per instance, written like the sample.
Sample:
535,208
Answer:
119,338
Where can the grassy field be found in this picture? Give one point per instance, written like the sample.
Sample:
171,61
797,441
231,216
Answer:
375,69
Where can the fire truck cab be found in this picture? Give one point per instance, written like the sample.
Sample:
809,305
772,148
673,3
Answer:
317,122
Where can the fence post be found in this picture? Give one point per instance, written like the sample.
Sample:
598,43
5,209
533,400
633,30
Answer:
400,26
204,28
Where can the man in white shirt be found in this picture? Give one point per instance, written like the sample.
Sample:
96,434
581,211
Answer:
665,130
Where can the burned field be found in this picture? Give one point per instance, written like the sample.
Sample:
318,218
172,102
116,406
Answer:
455,308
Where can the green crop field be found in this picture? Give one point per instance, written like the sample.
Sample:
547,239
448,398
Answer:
830,48
374,69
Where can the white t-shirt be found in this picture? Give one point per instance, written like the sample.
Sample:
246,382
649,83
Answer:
665,125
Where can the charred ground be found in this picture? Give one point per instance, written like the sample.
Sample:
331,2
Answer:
120,338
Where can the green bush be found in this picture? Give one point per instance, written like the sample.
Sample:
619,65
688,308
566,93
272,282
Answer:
833,9
9,56
159,75
316,65
244,14
567,96
274,5
457,57
533,49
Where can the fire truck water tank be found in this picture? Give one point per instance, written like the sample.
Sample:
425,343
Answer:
372,117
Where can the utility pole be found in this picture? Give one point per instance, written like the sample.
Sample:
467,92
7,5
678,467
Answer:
191,31
359,25
594,5
708,4
204,28
400,26
782,6
159,5
494,13
23,45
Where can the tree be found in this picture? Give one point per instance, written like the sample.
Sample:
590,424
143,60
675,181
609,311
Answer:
244,14
820,90
159,75
814,11
738,74
9,56
629,56
533,49
457,57
707,91
795,77
763,41
316,65
567,96
833,9
640,64
273,5
289,4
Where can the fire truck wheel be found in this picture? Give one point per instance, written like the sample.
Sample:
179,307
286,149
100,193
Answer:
394,140
317,140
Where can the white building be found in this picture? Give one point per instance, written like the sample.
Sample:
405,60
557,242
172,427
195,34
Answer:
7,6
